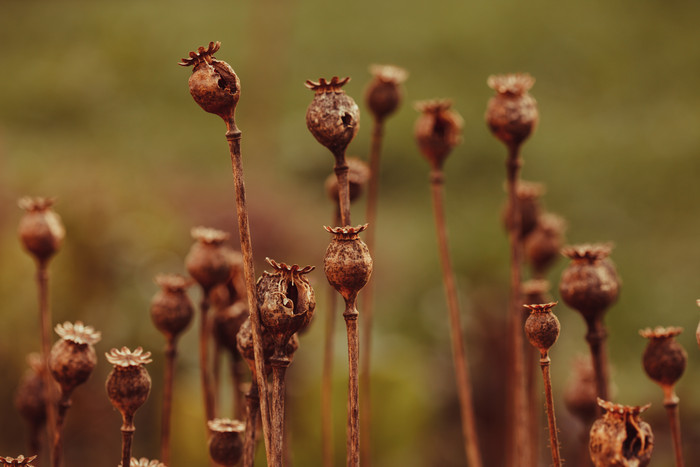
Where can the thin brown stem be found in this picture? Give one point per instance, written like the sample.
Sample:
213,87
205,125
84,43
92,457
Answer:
35,440
341,172
279,368
233,135
170,355
42,279
671,404
236,363
551,419
216,374
459,356
353,431
596,337
251,421
534,400
57,455
207,391
368,297
128,429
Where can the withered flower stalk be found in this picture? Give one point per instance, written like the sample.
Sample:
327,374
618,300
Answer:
621,437
227,323
41,233
383,97
214,82
171,312
664,361
437,132
512,116
542,329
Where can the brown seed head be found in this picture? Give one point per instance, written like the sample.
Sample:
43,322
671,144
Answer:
227,324
358,175
529,194
226,441
332,117
542,326
213,83
171,308
30,398
19,461
664,358
512,113
244,344
143,462
620,437
208,260
129,384
580,394
590,283
384,93
73,358
40,229
347,264
543,244
437,131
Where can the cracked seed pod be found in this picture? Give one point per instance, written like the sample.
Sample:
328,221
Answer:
347,264
664,358
209,261
73,358
543,245
332,117
620,438
437,131
358,175
590,283
512,113
542,326
143,462
227,324
40,229
581,391
213,83
529,194
226,441
19,461
129,384
171,308
383,95
30,398
286,300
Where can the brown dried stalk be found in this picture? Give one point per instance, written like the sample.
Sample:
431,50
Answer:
42,278
251,421
170,356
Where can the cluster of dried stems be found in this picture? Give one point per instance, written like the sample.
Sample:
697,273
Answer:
258,322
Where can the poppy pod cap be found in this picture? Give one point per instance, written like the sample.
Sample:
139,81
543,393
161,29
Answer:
512,113
347,264
213,83
620,437
226,441
437,131
542,326
208,261
171,308
73,357
664,358
40,230
19,461
358,175
129,384
143,462
332,117
384,93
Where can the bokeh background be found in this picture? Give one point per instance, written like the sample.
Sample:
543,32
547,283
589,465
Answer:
95,111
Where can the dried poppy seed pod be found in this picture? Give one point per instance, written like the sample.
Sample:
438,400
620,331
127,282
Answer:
143,462
213,83
227,324
512,113
129,384
226,441
347,264
73,357
332,117
542,246
664,358
19,461
620,437
580,394
208,261
437,131
286,300
590,283
40,229
171,308
383,95
30,398
358,175
529,194
244,344
542,326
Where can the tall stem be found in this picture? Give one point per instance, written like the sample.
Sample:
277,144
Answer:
341,172
128,429
42,279
57,455
279,368
459,356
233,135
216,374
596,337
170,354
204,334
671,404
353,431
251,421
368,296
551,419
236,380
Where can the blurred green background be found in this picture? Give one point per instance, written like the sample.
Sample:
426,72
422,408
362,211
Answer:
95,111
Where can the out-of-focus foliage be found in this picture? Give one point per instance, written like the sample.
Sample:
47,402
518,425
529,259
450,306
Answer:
95,111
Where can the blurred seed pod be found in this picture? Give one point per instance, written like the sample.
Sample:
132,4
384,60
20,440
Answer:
129,384
227,324
358,175
208,261
384,94
30,398
542,326
664,358
580,394
543,244
512,113
347,264
40,230
244,344
438,130
529,194
73,357
171,308
226,441
332,117
620,437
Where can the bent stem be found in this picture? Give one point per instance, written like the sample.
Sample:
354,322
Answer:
42,279
551,419
353,431
251,422
596,337
459,356
671,403
279,364
170,354
233,135
204,373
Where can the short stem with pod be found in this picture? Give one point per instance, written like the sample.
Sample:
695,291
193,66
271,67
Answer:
353,430
57,449
341,172
128,429
251,422
551,419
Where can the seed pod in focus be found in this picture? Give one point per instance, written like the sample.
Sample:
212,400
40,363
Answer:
620,437
40,229
171,308
129,384
529,194
512,113
73,358
542,326
437,131
544,243
664,358
226,441
383,95
358,175
208,261
332,117
347,264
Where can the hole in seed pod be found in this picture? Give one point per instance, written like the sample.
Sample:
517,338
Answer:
222,83
633,442
347,119
293,295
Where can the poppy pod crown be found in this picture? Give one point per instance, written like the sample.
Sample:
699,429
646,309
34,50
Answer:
129,384
664,359
332,117
542,327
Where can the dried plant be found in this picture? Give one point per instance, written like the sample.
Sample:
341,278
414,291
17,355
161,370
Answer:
19,461
620,437
225,443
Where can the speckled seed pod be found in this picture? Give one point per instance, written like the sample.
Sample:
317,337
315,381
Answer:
383,95
544,243
19,461
542,326
40,229
129,384
620,438
227,324
73,357
529,194
171,308
208,261
332,117
143,462
664,358
213,83
590,283
30,398
512,113
347,264
358,175
226,441
580,392
437,131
